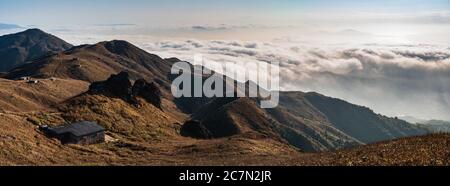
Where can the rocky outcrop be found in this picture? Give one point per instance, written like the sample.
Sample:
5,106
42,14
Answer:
120,86
117,85
195,129
149,91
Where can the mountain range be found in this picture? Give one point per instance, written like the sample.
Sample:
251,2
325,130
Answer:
128,91
431,125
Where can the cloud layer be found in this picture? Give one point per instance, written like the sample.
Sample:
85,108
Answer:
392,79
392,74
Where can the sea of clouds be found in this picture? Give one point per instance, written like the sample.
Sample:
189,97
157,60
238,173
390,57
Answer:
392,78
395,80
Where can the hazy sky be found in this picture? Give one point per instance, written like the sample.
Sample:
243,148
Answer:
175,12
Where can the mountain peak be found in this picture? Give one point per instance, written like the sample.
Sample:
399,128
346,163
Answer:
115,44
17,49
119,42
119,46
33,30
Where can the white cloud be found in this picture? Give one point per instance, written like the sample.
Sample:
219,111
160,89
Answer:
393,80
385,73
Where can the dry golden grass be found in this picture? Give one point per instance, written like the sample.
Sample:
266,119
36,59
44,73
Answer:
19,96
22,144
431,150
146,135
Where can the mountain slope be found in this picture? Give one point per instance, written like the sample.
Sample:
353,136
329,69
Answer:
20,96
361,122
131,110
233,116
308,121
430,150
97,62
142,134
16,49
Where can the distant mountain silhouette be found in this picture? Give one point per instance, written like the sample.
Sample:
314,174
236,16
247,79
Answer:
4,26
436,126
16,49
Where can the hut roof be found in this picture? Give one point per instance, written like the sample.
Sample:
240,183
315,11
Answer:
79,129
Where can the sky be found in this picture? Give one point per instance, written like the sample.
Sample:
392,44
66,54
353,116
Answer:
392,56
148,12
426,20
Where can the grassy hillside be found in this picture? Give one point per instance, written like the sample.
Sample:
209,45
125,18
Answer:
20,96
